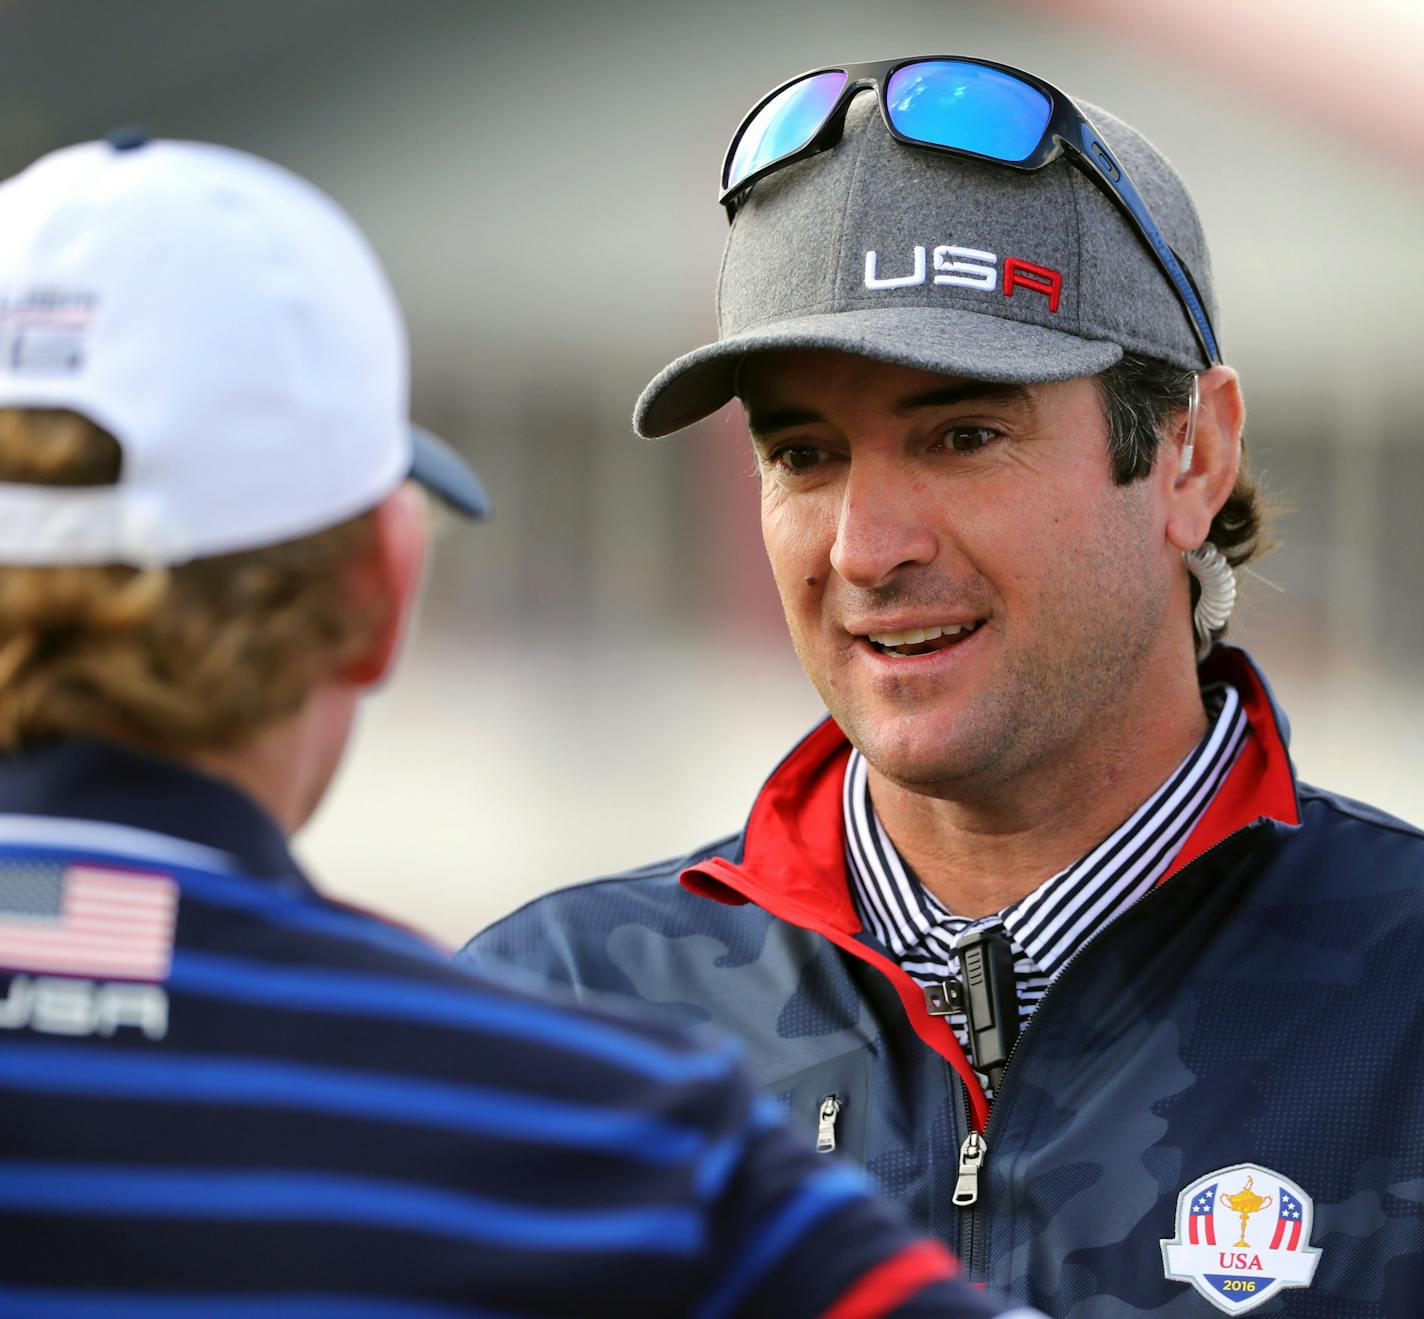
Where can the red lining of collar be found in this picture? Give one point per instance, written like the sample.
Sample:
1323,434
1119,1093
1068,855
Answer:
795,840
1261,783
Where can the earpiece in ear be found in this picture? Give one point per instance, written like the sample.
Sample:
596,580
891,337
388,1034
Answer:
1189,444
1216,593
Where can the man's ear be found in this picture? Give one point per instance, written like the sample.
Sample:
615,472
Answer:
1197,491
386,581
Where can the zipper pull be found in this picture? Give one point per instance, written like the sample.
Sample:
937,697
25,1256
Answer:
829,1111
971,1159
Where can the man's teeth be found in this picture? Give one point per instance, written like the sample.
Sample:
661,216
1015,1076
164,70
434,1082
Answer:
915,635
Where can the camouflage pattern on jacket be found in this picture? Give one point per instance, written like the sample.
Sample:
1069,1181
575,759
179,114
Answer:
1261,1006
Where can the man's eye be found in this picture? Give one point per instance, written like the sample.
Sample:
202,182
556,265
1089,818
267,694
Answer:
797,457
968,439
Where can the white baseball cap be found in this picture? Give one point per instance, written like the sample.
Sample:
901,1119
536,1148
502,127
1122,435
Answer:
230,326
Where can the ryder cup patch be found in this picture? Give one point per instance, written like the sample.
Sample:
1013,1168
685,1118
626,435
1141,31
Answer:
1243,1233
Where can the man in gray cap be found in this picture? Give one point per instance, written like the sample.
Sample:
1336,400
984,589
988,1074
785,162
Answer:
1037,924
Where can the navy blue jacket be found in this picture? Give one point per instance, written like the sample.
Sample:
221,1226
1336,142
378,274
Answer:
223,1095
1260,1009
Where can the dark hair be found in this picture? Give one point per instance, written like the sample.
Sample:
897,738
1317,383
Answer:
1141,395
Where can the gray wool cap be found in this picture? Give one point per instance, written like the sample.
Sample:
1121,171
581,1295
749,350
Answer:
945,264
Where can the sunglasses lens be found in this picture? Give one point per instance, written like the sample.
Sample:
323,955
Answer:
784,124
947,103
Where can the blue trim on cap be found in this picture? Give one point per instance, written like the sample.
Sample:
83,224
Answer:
128,138
438,467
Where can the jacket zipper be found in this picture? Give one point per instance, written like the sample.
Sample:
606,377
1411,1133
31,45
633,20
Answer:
975,1148
940,1001
966,1188
826,1115
971,1158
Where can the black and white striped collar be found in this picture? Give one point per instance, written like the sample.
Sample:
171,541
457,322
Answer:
1050,923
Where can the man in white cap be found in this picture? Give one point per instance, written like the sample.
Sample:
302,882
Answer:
221,1093
1038,924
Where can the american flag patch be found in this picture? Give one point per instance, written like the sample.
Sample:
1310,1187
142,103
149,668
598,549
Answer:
79,920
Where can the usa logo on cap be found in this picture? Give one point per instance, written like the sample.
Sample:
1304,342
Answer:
1243,1233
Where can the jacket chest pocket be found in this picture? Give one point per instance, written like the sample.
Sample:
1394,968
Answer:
828,1103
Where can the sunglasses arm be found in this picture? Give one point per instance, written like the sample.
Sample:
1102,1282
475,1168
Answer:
1104,170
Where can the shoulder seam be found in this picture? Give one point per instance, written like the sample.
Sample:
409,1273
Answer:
1361,812
663,869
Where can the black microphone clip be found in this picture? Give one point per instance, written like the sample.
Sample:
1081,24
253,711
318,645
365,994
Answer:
990,1000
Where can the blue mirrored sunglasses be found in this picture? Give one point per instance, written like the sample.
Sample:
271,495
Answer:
961,105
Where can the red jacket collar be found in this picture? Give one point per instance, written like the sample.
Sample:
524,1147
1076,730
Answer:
794,842
794,849
1261,784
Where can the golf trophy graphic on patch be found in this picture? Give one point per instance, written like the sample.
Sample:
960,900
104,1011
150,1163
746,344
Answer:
1243,1233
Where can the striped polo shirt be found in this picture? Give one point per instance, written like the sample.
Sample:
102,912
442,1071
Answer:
223,1095
1047,926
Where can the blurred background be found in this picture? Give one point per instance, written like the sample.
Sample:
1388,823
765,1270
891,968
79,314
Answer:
601,675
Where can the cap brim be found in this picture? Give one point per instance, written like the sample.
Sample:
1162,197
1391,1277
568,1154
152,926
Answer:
947,341
445,473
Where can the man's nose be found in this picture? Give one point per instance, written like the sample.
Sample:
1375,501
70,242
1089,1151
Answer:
881,527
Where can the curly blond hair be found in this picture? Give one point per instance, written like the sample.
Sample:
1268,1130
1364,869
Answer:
195,657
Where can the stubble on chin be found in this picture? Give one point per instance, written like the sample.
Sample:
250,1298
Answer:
933,751
1046,704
